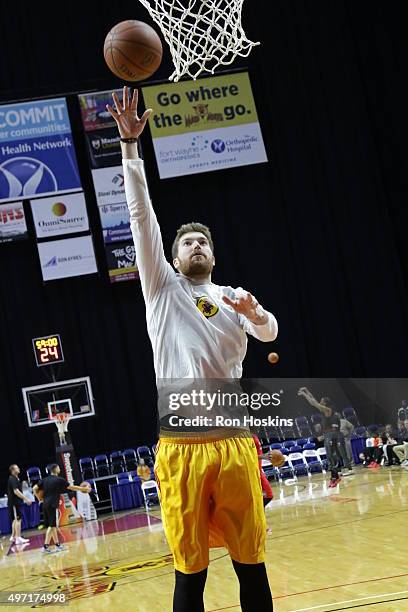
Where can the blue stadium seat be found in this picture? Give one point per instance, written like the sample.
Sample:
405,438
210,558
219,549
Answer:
130,458
102,465
144,452
33,475
117,462
87,468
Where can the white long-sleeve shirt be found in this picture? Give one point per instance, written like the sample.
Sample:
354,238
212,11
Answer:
194,334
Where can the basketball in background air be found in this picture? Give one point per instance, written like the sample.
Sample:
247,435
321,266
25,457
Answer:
133,50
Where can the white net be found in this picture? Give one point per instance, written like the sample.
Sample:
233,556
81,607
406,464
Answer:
201,34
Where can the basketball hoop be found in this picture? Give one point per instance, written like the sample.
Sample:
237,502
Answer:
201,34
61,420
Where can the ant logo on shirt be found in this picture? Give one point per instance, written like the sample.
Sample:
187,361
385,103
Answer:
207,308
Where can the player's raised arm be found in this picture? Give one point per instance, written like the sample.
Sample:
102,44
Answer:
154,270
255,320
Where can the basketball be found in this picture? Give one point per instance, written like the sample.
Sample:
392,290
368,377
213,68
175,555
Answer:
133,50
273,357
276,458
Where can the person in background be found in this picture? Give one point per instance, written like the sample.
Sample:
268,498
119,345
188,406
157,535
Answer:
401,450
333,438
347,429
318,435
143,471
373,452
52,487
389,440
402,413
15,500
27,491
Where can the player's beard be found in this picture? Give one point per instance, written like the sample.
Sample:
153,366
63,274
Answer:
196,267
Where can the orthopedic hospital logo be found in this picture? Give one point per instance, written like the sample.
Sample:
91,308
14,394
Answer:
23,176
218,145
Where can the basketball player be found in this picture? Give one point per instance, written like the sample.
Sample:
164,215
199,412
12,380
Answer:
15,500
333,438
209,481
52,487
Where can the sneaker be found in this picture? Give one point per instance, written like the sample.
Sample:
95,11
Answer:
11,538
22,540
334,482
47,551
60,548
373,464
347,472
404,463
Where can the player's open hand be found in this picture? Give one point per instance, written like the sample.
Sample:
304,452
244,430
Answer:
125,115
247,305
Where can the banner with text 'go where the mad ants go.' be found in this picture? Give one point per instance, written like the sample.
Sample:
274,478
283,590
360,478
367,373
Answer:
204,125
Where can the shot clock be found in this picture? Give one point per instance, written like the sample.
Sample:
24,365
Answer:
48,350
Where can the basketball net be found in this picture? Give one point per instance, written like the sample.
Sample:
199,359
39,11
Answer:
61,421
201,34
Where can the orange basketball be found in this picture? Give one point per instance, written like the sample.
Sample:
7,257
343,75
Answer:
276,458
133,50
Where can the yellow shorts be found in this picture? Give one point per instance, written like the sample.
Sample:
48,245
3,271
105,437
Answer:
211,496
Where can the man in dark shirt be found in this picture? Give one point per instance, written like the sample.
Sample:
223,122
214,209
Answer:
52,486
15,500
334,442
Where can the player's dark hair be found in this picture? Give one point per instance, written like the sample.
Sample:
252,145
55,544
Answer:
328,402
194,226
53,467
11,467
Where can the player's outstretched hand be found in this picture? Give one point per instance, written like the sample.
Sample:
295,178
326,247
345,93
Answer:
247,305
126,117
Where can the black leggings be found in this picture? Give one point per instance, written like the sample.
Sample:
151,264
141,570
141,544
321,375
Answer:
254,594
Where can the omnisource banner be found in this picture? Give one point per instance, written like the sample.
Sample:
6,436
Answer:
65,258
37,154
204,125
60,215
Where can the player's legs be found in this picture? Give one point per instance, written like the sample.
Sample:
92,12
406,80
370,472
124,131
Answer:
15,517
182,474
254,591
239,515
189,591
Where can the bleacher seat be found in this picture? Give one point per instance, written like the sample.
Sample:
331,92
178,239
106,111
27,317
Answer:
298,463
313,461
360,432
144,452
130,458
323,457
303,426
102,465
309,446
316,418
301,442
122,478
288,443
117,462
87,468
286,470
33,475
288,433
275,446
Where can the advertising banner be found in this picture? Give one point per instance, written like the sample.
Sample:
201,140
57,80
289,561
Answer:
115,222
109,185
63,214
37,155
65,258
100,129
121,260
12,222
204,125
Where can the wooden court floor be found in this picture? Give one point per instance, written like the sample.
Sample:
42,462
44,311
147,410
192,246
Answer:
330,549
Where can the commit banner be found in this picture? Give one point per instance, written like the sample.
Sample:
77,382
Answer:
204,125
37,155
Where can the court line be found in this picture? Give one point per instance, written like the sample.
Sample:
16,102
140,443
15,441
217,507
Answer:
319,527
374,603
335,586
352,601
